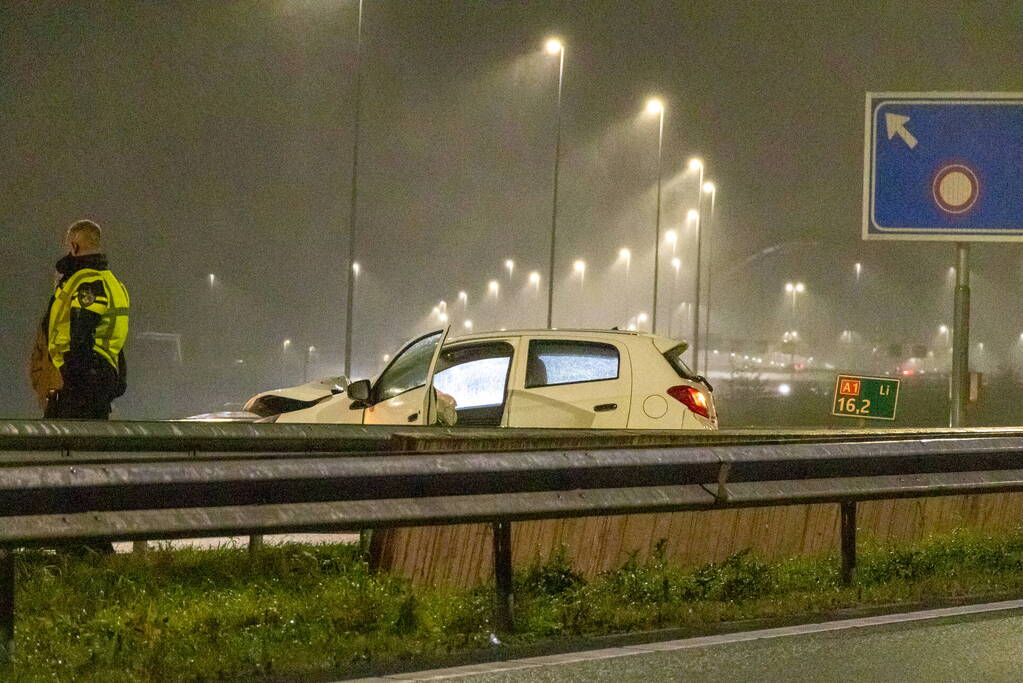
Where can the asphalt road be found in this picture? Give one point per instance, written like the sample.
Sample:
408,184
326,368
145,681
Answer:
965,647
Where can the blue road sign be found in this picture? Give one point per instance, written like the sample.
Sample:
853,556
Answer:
943,166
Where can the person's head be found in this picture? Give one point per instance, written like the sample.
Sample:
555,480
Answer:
83,238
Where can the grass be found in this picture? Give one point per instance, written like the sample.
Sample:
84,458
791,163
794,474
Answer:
315,611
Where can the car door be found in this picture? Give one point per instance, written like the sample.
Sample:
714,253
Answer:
574,383
475,375
403,394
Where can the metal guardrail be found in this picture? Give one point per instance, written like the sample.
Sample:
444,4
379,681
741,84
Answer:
64,481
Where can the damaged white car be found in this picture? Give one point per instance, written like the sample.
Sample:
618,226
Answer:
598,379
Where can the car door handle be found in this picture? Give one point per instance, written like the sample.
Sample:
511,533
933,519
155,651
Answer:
604,407
413,417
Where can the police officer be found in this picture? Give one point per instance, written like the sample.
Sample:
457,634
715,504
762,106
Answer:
87,327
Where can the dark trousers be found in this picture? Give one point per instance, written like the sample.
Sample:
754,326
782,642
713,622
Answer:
86,395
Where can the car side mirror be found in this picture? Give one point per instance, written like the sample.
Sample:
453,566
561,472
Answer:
359,391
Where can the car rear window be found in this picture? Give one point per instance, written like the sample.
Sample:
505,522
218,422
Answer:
674,358
552,362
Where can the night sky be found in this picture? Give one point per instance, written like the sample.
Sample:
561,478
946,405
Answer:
215,138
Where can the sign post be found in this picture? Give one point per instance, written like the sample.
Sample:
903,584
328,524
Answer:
945,167
866,397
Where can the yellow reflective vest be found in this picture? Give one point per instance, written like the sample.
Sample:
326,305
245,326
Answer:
104,295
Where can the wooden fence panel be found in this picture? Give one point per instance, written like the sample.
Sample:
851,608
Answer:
461,555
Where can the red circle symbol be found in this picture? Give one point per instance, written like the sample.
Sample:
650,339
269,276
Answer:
955,188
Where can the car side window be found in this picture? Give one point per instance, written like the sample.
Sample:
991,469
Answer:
552,362
474,375
408,370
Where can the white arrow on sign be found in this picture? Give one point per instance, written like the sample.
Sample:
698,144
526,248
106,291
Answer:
897,125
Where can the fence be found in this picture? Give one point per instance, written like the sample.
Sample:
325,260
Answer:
84,481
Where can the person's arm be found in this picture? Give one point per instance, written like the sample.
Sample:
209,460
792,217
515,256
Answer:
87,308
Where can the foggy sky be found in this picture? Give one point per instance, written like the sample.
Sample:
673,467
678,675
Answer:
216,138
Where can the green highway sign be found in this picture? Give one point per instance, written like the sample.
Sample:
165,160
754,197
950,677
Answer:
868,397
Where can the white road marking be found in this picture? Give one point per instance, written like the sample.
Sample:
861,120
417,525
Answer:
690,643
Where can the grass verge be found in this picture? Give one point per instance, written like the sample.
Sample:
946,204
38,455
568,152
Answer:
317,611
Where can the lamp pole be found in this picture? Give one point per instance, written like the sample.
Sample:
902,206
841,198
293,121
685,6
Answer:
555,46
697,165
709,188
350,298
657,107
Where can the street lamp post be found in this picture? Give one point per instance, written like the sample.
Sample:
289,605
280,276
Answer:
697,165
350,294
555,47
676,263
709,188
655,106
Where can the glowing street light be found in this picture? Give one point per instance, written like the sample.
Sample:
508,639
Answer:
654,107
555,47
464,298
443,317
695,164
692,215
494,287
580,266
794,288
676,263
858,267
625,254
534,279
467,324
510,266
213,279
356,269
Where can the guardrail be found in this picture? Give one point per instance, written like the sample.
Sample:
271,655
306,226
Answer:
66,481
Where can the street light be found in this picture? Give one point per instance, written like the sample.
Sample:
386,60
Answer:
794,288
858,267
467,324
580,267
353,198
534,279
555,47
695,164
656,107
711,189
510,265
356,269
494,287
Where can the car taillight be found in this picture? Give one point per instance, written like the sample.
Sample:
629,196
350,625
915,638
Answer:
691,398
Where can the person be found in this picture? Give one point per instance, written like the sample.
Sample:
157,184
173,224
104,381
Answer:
86,327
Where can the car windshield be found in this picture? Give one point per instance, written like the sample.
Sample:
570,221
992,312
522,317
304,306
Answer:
409,369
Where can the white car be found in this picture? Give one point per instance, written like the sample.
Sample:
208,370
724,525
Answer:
600,379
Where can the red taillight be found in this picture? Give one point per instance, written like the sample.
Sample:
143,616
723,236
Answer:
691,398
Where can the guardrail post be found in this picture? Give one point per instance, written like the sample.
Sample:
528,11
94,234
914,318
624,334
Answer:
6,604
848,532
255,544
503,574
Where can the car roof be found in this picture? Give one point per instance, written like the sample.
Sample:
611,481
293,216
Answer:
661,342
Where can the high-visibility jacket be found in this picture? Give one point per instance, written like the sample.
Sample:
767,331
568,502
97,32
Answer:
96,291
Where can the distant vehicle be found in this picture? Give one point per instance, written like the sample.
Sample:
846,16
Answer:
601,379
